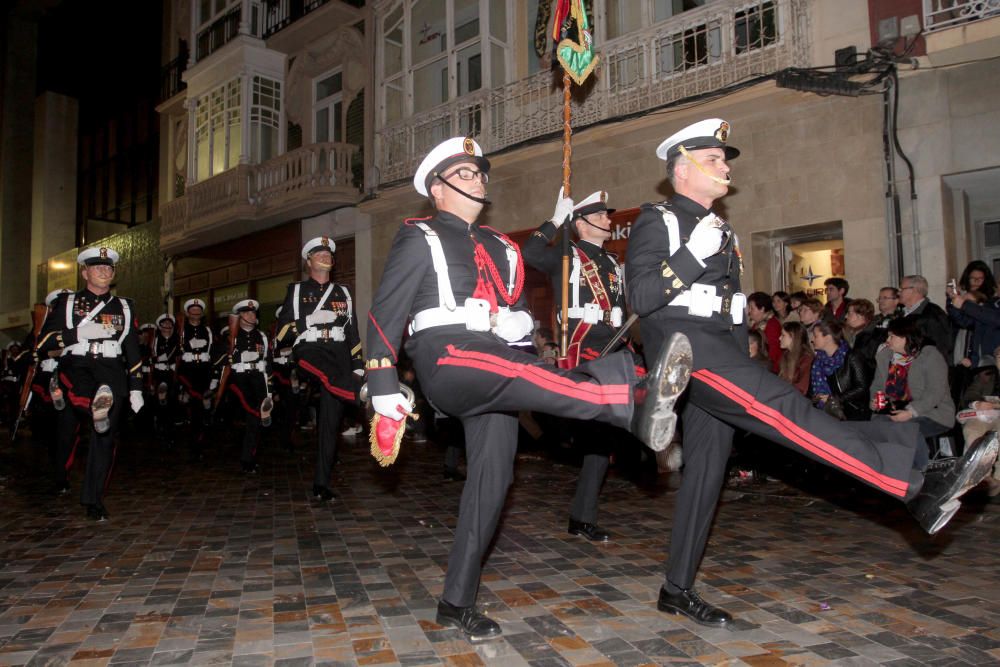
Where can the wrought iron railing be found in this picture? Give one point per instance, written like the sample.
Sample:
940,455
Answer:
171,79
697,52
940,14
215,36
279,14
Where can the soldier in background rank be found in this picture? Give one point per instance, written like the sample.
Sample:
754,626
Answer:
164,353
282,371
318,320
194,372
250,379
596,311
99,369
43,412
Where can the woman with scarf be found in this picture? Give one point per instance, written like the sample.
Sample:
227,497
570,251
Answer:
839,379
914,377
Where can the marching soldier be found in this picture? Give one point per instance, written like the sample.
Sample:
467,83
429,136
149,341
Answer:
460,285
99,368
282,370
164,352
194,372
596,311
10,385
683,270
250,379
43,412
318,320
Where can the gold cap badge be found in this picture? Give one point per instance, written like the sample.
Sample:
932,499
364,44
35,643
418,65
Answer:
104,253
469,146
722,134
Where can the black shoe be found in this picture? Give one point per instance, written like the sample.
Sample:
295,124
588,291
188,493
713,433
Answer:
250,469
476,626
322,493
591,531
653,419
454,474
97,512
688,603
945,480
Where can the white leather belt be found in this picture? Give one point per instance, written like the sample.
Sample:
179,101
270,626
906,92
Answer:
190,357
49,365
474,319
163,367
313,335
98,348
146,368
701,301
612,317
244,366
281,361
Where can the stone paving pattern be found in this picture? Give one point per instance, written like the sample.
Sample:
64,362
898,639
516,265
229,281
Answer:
202,565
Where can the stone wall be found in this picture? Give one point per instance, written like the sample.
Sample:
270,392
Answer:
140,271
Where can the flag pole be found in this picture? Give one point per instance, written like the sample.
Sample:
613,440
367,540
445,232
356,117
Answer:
566,171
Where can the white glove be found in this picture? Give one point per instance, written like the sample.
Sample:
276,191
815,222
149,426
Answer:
135,398
389,405
514,325
564,208
213,385
320,317
360,372
706,239
92,331
197,343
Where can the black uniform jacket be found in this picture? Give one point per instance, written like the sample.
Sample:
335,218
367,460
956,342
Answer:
548,258
60,332
409,285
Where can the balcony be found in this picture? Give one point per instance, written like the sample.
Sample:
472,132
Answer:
697,52
941,14
248,198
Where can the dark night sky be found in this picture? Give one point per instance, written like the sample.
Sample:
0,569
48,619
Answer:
100,50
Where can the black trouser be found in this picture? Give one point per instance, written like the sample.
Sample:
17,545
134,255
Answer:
196,377
594,439
477,378
250,389
287,404
44,418
321,361
728,391
80,378
164,415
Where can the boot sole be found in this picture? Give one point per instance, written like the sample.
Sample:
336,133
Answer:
671,374
978,467
100,408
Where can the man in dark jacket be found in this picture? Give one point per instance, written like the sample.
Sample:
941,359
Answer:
929,317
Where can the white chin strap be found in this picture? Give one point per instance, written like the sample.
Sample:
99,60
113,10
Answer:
697,165
322,266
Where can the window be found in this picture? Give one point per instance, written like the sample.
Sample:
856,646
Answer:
433,51
755,27
328,108
625,16
265,118
218,142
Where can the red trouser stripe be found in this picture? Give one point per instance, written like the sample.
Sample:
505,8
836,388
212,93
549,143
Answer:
41,392
800,436
187,385
336,391
613,394
243,400
281,379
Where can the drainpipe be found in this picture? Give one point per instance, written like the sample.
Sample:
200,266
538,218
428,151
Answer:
917,268
895,231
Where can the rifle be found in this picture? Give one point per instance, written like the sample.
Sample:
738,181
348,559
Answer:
234,323
37,320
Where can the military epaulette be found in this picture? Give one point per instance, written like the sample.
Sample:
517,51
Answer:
648,205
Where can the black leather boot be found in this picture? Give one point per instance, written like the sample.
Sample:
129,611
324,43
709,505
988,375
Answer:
688,603
475,625
654,420
591,531
945,481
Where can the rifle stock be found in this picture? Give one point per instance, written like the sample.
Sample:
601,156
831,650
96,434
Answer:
37,321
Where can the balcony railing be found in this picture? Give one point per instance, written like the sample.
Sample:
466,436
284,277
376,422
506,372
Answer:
171,81
279,14
697,52
215,36
290,185
940,14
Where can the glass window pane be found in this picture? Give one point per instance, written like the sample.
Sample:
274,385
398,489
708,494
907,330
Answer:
323,125
430,85
204,11
470,69
392,52
498,68
498,20
328,86
540,45
235,144
467,20
427,29
393,101
337,115
624,16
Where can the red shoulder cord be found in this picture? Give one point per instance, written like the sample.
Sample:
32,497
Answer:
485,263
